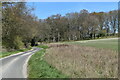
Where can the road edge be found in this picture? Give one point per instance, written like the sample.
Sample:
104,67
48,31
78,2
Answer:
25,66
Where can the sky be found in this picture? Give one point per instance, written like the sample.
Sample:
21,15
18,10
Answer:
46,9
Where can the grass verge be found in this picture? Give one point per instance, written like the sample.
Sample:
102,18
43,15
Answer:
4,54
39,68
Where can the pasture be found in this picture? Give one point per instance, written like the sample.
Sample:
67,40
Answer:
105,44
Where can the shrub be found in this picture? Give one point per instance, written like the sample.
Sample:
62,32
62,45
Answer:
101,34
18,42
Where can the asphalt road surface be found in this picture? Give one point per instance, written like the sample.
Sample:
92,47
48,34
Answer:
15,66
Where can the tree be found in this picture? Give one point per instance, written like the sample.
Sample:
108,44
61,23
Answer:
15,24
114,20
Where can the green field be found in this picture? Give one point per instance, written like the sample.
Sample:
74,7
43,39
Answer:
106,44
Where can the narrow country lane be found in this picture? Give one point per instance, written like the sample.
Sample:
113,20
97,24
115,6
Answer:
15,66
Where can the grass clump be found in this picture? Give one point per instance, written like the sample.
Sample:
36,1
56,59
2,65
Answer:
39,68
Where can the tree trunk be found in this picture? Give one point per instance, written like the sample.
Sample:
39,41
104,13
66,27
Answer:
91,34
114,32
94,35
58,36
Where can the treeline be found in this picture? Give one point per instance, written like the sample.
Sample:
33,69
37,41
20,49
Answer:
82,25
22,29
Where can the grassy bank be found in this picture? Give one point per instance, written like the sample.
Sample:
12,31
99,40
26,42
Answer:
39,68
4,54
